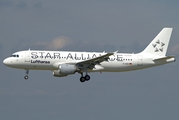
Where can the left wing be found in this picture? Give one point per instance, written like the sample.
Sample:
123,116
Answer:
90,64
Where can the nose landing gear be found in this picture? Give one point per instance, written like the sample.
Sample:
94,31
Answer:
26,76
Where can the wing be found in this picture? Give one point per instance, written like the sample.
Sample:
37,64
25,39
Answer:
90,64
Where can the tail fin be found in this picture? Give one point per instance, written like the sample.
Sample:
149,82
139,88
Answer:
160,43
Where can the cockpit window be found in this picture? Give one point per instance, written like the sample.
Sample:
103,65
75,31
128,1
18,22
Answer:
14,55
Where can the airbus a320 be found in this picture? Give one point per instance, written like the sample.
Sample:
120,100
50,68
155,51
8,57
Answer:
64,63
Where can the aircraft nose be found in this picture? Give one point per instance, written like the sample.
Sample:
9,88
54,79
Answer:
6,62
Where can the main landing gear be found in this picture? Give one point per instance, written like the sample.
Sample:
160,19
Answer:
26,76
84,78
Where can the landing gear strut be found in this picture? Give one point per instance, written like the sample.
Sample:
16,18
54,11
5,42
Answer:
26,76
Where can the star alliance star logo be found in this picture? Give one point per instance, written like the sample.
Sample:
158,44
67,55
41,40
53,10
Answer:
158,46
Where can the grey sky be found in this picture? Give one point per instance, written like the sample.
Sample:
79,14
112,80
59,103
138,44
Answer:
127,26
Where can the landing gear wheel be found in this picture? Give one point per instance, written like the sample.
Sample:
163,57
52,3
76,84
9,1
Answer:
87,77
82,79
26,77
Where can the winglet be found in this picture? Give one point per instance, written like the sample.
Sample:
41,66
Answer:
116,51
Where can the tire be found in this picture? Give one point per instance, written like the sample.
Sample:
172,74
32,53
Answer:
82,79
87,77
26,77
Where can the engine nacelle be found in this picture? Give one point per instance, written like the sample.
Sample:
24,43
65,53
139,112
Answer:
64,70
56,73
67,69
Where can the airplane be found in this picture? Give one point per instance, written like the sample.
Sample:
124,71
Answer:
64,63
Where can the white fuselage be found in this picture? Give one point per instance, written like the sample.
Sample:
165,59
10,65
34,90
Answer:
64,63
49,60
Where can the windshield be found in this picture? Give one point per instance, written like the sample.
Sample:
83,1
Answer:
14,55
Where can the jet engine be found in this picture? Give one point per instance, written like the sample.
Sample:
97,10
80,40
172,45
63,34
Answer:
56,73
64,70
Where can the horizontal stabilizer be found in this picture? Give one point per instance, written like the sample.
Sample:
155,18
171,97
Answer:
165,58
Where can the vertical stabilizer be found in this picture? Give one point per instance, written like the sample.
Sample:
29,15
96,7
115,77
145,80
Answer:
160,43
